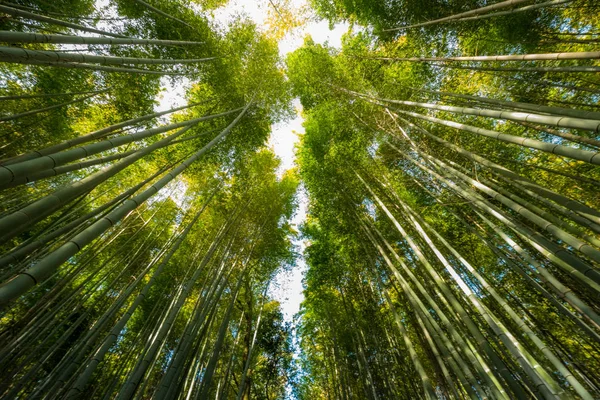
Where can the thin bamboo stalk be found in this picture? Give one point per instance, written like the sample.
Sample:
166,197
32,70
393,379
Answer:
29,37
477,11
44,268
9,54
29,15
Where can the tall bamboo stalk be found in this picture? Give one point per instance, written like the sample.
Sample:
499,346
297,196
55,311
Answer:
45,267
30,37
477,11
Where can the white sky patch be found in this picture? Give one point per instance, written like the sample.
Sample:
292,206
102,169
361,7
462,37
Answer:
320,33
172,95
258,11
287,285
284,137
176,190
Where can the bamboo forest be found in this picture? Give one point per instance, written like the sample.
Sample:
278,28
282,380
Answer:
300,199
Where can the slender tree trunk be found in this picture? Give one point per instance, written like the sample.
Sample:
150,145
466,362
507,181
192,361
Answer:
9,173
45,267
26,249
572,69
560,122
517,350
449,297
477,11
164,14
518,10
29,37
93,67
49,108
578,212
426,382
569,112
565,135
574,266
36,17
591,157
457,337
135,377
91,136
581,55
242,390
63,169
35,96
84,377
47,205
10,54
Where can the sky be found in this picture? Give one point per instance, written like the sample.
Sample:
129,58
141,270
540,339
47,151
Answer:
287,285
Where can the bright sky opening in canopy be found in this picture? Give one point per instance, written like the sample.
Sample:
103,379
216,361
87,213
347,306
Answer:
300,199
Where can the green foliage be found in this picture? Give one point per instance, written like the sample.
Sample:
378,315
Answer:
347,331
143,272
442,262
